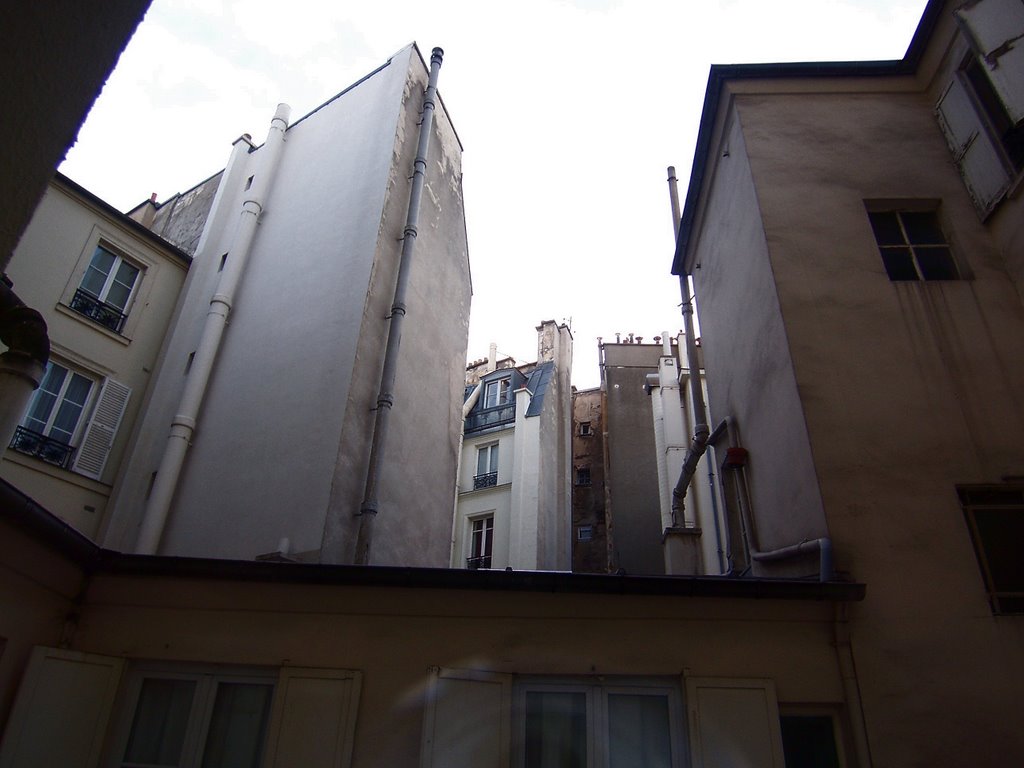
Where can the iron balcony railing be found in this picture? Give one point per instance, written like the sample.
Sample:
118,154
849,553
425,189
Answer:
485,481
42,447
490,417
476,563
85,303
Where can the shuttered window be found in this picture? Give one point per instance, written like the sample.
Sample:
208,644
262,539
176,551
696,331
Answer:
733,722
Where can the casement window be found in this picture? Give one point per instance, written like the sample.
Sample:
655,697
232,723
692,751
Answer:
481,542
810,739
995,519
912,245
178,715
486,466
981,111
496,393
182,719
107,288
583,475
72,419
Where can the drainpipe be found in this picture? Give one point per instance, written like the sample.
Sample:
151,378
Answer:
699,443
184,423
23,330
385,396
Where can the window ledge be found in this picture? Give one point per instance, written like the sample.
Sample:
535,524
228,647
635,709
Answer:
68,311
44,467
499,486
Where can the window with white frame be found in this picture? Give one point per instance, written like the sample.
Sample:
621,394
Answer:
481,542
486,466
913,245
565,725
72,419
496,393
183,719
107,288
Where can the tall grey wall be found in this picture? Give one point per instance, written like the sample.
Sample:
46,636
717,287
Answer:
295,381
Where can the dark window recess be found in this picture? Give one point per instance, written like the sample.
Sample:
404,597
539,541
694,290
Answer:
912,245
809,741
1009,135
585,430
33,443
582,475
995,518
223,261
487,480
585,533
86,304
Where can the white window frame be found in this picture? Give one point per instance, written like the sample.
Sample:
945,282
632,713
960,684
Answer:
487,536
111,279
596,696
491,463
496,393
61,395
207,680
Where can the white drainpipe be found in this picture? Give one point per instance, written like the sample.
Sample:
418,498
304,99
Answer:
184,423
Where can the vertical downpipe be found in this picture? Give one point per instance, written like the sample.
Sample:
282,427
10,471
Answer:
385,396
183,424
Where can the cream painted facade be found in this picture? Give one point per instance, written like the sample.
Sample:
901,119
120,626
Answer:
514,495
876,383
112,352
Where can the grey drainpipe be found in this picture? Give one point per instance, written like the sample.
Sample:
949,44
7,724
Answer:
24,332
385,397
699,443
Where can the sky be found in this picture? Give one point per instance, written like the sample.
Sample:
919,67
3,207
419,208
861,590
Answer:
569,112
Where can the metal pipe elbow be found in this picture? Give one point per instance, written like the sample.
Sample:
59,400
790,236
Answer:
22,328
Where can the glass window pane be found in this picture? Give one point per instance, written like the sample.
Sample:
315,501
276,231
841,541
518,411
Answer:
70,409
237,726
481,461
161,718
556,729
809,741
899,264
46,397
493,459
886,228
936,263
1001,531
99,269
121,287
638,731
923,228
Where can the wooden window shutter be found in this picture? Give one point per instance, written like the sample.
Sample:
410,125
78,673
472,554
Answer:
313,721
61,711
979,160
733,722
99,435
995,29
467,721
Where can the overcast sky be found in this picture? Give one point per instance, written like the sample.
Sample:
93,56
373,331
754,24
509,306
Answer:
569,112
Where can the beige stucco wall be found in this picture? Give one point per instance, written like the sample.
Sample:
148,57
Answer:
906,390
47,268
497,499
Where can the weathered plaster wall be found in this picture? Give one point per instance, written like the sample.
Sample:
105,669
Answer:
588,501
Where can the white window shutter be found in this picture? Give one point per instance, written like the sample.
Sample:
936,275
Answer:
996,31
979,160
467,721
99,435
314,718
60,714
733,723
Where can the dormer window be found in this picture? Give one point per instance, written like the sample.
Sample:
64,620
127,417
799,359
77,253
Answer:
496,393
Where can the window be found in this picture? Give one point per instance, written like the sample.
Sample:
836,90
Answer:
496,393
486,467
49,428
481,542
995,518
210,720
582,475
585,533
106,289
59,420
573,726
585,430
809,741
912,245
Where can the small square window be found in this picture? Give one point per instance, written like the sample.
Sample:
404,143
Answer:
582,475
585,533
913,246
585,430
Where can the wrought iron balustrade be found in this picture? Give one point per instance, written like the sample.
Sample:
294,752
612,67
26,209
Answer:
86,304
42,447
476,563
490,417
485,481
